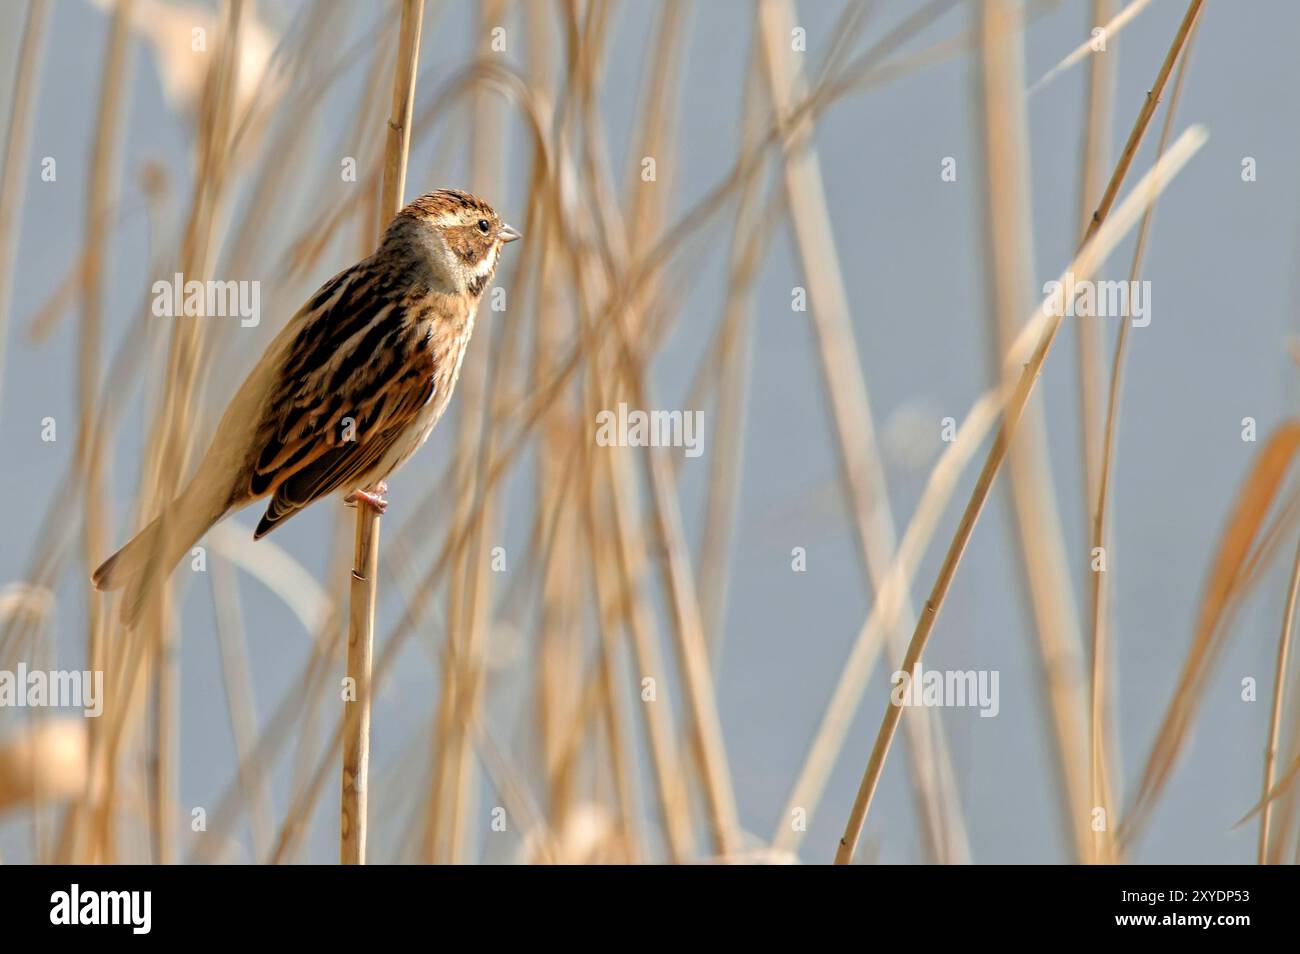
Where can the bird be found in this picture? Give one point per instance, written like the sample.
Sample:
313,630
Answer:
345,392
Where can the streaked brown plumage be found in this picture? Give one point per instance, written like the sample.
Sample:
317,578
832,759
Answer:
346,392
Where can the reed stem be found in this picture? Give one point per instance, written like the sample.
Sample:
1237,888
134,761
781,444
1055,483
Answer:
364,590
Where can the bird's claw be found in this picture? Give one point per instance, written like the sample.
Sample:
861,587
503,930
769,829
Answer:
372,498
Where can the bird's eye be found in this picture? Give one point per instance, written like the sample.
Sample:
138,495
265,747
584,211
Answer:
483,226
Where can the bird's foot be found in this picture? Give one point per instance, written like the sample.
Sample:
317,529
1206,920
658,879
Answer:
372,498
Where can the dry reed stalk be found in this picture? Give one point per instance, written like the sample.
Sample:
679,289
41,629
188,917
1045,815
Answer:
560,588
236,682
1034,510
94,457
630,562
363,591
808,787
861,73
583,710
659,118
309,686
354,781
586,128
1282,819
1103,234
147,650
1223,588
1033,497
647,204
604,699
104,762
283,156
30,53
388,50
702,725
1253,570
1099,109
188,362
301,807
52,552
1099,106
515,797
1282,786
469,590
49,554
1275,714
828,739
731,369
403,105
329,645
862,477
855,76
46,318
676,577
693,659
1112,28
369,104
1099,113
312,686
557,650
452,787
590,282
1103,762
608,614
447,792
57,527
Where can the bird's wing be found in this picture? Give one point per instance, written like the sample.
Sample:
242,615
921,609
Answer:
354,379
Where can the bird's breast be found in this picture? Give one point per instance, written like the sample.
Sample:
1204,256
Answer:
446,334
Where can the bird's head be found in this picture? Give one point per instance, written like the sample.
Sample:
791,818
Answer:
457,233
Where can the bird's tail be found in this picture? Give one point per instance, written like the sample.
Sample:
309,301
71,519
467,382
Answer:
150,555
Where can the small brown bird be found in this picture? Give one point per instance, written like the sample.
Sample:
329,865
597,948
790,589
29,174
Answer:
344,394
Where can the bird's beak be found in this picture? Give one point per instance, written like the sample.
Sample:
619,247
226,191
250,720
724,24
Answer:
508,234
